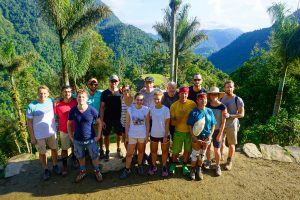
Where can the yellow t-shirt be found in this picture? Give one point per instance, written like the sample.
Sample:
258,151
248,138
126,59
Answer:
179,114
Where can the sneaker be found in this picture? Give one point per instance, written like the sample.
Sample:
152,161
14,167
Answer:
98,175
106,156
120,153
228,165
64,171
56,169
164,172
207,164
152,170
125,173
172,168
80,176
140,170
46,175
218,171
185,169
101,153
192,174
199,173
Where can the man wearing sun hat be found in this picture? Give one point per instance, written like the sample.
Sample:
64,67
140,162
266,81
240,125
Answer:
179,112
235,108
94,100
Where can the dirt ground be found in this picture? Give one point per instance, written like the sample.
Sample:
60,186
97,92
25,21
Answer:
249,179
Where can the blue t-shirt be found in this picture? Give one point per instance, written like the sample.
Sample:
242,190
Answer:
196,114
83,123
95,100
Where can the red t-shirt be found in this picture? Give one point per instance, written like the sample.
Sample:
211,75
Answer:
62,110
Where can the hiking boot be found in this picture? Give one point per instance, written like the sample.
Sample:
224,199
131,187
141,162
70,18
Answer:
64,171
185,169
106,157
207,164
152,170
164,172
101,156
172,168
192,174
125,173
46,175
218,171
98,175
80,176
56,170
199,173
140,170
228,165
120,153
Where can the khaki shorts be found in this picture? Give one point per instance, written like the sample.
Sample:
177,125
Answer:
136,140
231,135
41,144
65,141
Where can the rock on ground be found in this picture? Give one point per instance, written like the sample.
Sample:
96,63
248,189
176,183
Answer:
251,150
15,164
295,152
275,152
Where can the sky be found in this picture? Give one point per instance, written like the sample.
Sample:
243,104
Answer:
247,15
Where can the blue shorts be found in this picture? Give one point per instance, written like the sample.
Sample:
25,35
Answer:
90,145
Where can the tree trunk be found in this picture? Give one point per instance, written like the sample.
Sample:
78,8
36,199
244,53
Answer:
21,118
176,68
279,94
63,64
173,39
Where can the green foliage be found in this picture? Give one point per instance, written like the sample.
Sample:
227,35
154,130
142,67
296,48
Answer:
282,129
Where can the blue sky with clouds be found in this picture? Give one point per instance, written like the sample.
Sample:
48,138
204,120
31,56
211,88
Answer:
246,15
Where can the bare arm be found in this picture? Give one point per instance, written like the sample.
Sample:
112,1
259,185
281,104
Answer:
102,108
99,122
70,132
30,130
147,126
240,113
127,124
167,122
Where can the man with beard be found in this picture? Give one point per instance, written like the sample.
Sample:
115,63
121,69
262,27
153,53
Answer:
196,88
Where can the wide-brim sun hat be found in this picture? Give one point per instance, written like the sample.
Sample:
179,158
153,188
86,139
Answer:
216,90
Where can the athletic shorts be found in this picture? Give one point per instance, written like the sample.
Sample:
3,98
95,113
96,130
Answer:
182,138
231,135
90,145
114,126
65,140
158,139
41,144
214,139
136,140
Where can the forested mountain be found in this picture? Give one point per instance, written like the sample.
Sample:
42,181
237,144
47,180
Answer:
217,39
235,54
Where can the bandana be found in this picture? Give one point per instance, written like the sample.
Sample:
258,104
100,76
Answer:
184,90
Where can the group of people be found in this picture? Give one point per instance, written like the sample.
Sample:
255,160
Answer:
189,117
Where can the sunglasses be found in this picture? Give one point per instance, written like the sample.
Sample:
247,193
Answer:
127,90
94,84
197,79
139,99
113,81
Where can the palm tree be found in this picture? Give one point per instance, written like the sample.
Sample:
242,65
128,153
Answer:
70,19
187,33
282,45
13,64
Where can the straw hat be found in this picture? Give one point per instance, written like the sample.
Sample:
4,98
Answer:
215,90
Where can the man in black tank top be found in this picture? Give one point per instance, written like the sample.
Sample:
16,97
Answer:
196,88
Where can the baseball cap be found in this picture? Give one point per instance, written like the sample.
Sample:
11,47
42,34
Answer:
92,80
114,77
149,79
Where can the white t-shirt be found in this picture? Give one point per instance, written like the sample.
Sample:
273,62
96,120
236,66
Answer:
159,117
137,128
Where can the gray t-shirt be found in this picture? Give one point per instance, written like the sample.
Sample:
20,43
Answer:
232,106
218,113
149,97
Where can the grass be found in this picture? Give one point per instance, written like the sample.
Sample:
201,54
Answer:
159,80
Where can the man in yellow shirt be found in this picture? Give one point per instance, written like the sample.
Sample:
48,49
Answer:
180,111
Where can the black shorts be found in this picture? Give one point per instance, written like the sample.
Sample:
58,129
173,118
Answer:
158,139
113,125
214,139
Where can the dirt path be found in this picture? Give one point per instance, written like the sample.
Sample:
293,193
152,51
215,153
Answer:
249,179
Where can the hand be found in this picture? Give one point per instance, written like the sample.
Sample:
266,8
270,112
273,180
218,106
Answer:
98,137
72,139
103,125
33,140
227,115
165,140
146,140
